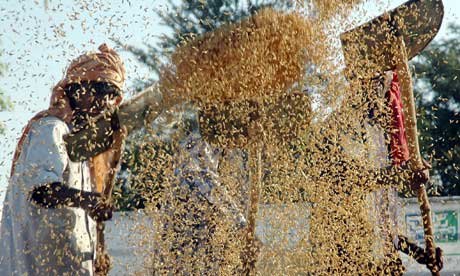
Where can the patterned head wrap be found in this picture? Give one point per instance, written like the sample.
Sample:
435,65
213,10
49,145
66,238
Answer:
103,66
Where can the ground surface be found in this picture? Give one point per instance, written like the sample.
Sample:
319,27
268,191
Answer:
128,247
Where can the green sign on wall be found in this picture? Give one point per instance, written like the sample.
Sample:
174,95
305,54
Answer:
445,226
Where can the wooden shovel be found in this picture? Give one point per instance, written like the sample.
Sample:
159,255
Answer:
411,27
410,123
104,168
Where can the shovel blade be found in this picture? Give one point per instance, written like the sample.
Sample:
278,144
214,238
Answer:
367,48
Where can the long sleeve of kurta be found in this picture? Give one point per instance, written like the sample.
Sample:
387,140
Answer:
198,169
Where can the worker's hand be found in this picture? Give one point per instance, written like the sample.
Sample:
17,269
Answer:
45,195
438,262
103,263
421,176
250,254
101,211
439,258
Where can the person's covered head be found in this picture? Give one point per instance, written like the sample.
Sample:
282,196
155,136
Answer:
93,82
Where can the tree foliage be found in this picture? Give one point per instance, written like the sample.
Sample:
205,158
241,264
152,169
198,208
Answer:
438,85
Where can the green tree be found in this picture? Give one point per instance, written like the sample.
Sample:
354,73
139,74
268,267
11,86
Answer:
438,87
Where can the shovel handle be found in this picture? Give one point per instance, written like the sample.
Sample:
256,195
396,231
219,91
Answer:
410,122
250,255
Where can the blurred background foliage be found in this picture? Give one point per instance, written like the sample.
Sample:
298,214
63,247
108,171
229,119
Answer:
437,71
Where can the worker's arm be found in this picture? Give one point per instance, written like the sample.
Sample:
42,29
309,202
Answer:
412,178
390,176
199,171
417,253
44,161
55,195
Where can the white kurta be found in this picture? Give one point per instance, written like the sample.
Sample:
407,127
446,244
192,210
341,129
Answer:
197,203
39,241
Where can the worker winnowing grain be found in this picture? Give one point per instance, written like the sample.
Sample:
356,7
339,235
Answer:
51,207
204,218
358,189
196,205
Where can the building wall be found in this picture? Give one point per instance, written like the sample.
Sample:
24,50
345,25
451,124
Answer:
446,220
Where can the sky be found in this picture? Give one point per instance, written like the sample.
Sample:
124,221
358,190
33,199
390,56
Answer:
39,38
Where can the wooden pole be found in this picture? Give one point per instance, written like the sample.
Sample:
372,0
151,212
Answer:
251,247
410,122
105,167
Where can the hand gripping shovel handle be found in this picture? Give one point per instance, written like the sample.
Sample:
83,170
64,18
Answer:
410,122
